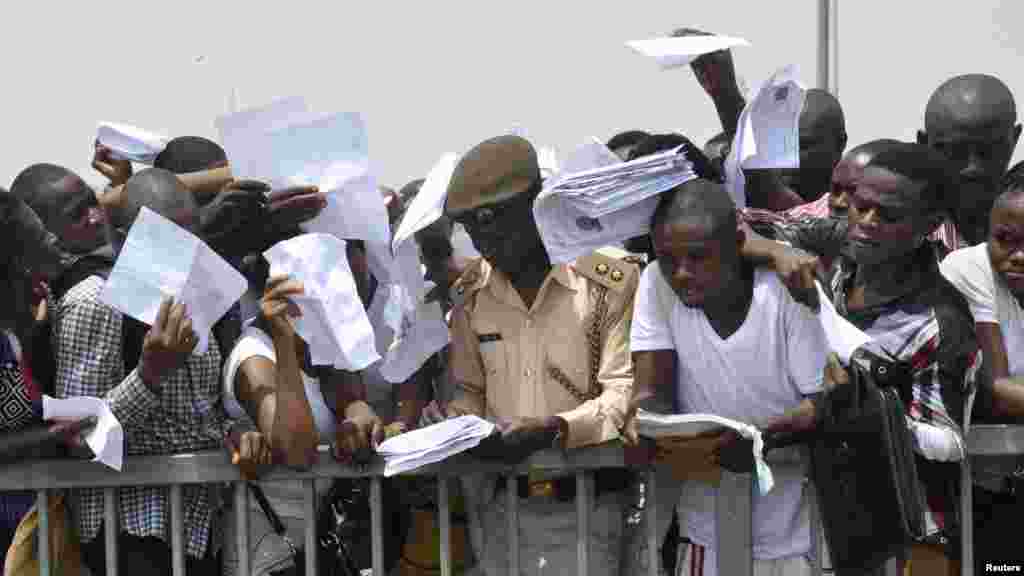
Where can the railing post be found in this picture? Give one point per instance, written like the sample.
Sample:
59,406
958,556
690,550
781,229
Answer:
111,523
177,531
446,526
651,518
309,507
43,510
584,493
377,520
733,508
966,518
242,528
512,522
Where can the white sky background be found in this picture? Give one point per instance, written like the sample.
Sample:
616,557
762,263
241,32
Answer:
433,77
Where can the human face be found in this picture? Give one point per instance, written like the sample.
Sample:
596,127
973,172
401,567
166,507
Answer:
819,153
78,221
504,233
1006,244
981,154
696,265
886,218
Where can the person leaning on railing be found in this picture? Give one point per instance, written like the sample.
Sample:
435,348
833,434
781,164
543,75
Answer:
26,248
543,350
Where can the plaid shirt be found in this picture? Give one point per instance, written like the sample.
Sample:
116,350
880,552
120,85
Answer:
187,416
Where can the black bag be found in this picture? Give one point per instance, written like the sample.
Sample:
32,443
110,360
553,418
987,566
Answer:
864,467
344,528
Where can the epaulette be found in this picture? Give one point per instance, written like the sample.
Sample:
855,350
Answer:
472,279
608,267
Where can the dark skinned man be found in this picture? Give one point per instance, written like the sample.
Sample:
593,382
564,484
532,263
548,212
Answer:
972,120
543,351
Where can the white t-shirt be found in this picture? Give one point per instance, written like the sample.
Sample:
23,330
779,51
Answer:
764,369
970,270
285,497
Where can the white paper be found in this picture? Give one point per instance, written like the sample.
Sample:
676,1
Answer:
433,443
599,206
589,155
547,161
427,206
462,244
767,133
106,440
130,143
842,336
161,259
333,324
677,52
654,425
239,129
425,337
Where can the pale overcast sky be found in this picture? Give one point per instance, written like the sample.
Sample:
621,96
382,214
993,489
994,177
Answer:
433,77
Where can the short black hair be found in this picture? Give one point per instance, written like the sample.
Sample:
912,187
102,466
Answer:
190,154
656,143
627,138
160,191
31,183
921,163
699,201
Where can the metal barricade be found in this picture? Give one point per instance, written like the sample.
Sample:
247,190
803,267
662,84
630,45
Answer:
984,443
174,472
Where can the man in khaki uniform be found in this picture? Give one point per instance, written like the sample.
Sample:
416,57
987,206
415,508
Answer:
543,351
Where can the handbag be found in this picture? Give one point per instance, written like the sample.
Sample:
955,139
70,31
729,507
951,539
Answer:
345,529
864,467
65,548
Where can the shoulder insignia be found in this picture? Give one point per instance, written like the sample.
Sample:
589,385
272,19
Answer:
472,279
612,273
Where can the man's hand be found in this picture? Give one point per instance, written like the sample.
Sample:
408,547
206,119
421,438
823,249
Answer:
167,345
276,306
232,222
715,71
357,437
117,171
514,441
734,453
250,451
288,208
797,270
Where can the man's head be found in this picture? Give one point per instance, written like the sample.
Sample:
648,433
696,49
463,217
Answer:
972,121
697,241
491,194
1006,234
848,171
623,142
158,190
67,206
900,198
822,141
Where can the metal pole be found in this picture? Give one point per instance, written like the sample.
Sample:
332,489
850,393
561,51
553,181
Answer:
828,46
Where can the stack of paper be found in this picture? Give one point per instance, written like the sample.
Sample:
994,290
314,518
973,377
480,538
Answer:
160,259
433,443
654,425
677,52
333,322
130,143
106,439
768,131
607,204
842,336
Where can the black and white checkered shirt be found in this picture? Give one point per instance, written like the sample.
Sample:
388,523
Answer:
187,416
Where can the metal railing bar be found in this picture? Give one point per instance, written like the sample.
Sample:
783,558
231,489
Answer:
242,528
651,518
445,519
583,507
512,522
309,498
177,531
43,510
111,528
377,523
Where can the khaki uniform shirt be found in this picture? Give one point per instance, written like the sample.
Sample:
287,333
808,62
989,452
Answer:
508,361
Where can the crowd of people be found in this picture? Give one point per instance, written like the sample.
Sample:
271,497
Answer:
918,244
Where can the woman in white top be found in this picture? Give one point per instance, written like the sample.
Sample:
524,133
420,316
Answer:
268,376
